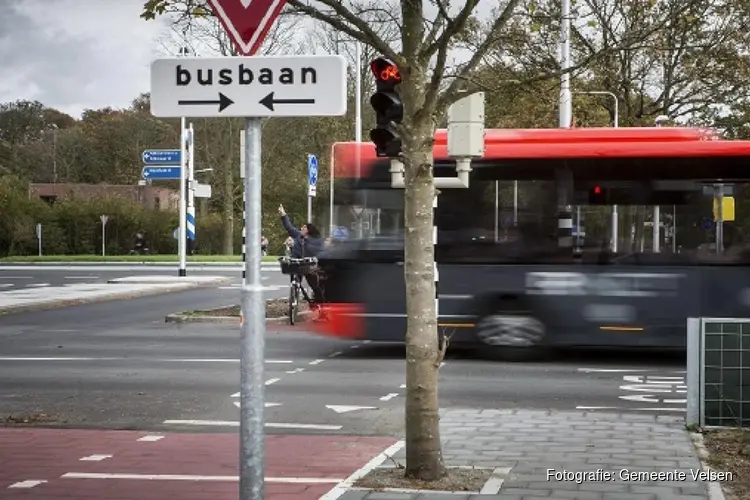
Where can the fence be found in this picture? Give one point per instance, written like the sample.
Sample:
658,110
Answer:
718,372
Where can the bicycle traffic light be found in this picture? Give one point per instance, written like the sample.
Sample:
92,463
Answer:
389,108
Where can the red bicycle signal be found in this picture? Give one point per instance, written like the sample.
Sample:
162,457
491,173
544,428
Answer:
385,70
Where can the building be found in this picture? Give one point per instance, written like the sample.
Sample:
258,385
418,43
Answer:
157,198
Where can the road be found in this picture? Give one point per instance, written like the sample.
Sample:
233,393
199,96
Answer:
20,276
118,365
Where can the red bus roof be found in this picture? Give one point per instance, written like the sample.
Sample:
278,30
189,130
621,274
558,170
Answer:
565,143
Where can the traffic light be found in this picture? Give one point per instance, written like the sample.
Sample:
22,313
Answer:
389,108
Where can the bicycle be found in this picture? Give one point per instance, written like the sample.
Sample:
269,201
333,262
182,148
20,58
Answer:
297,268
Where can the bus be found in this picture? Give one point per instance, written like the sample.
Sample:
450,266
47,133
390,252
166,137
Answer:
644,253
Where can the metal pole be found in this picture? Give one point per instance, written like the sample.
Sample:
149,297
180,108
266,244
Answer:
515,203
674,228
182,271
566,101
190,216
54,156
252,352
615,215
358,119
104,238
309,208
40,240
497,214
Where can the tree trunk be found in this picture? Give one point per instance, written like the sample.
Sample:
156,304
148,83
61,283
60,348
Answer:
424,458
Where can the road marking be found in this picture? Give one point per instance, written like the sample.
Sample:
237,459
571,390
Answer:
629,408
6,285
29,483
402,386
296,370
187,477
388,397
316,362
232,423
78,277
355,346
347,409
150,438
340,489
268,405
495,483
337,353
95,458
156,360
37,285
272,381
608,370
645,399
18,277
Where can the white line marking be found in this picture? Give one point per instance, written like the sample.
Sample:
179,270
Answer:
608,370
268,405
366,341
402,386
38,285
316,362
388,397
29,483
404,490
78,277
157,360
596,407
347,483
347,409
296,370
272,381
150,438
186,477
271,425
623,408
17,277
95,458
355,346
337,353
6,285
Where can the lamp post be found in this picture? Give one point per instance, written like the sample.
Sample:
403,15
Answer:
357,121
615,124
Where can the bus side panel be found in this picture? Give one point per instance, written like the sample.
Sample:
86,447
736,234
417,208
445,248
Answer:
725,292
383,295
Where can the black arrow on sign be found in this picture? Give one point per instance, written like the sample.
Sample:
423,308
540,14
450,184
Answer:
224,102
269,101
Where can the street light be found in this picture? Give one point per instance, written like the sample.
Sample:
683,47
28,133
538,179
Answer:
357,120
616,124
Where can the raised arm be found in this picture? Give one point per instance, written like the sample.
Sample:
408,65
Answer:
287,223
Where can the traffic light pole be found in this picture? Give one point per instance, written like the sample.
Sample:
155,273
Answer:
252,335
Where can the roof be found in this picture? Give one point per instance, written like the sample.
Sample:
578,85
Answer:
529,144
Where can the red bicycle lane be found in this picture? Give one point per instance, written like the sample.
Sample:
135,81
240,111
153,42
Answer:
45,464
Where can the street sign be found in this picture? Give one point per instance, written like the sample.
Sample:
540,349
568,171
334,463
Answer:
161,173
340,232
202,190
104,219
176,233
249,86
312,175
161,157
247,27
707,224
38,231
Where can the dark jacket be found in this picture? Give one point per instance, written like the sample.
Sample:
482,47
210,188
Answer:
303,247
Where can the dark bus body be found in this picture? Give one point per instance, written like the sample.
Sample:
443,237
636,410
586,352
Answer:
509,287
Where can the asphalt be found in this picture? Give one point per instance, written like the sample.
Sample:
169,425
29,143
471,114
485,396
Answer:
20,276
119,365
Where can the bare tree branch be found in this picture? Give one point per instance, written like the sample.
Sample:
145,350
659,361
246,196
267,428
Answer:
452,28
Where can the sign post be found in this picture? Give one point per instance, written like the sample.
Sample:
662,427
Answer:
250,88
104,220
39,237
312,181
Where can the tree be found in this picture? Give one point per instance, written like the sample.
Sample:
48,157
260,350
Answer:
430,84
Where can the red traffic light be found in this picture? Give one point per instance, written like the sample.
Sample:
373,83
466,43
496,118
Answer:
385,71
597,190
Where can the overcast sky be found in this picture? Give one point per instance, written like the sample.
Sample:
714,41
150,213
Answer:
76,54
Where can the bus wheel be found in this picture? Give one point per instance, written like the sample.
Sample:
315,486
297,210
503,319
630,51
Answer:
510,333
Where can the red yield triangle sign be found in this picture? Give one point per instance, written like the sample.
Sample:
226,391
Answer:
247,21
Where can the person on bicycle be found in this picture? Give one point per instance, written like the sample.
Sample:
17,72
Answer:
307,242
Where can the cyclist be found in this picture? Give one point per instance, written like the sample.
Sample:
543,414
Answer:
307,242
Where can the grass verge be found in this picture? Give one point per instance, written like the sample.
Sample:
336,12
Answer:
275,308
127,258
729,451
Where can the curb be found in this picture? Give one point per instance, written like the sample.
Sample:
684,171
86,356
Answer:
715,491
223,320
59,304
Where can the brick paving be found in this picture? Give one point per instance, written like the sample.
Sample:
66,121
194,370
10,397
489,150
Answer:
197,466
531,442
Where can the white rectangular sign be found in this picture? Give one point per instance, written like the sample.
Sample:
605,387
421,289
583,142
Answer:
202,190
249,86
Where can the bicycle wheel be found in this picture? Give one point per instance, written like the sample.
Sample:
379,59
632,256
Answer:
293,302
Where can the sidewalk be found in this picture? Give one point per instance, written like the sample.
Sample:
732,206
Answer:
30,299
529,447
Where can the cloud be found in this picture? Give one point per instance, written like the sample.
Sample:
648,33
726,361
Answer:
76,54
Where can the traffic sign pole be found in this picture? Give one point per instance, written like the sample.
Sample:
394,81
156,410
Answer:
252,353
312,182
181,242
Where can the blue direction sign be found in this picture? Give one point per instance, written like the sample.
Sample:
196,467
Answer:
161,173
161,157
707,223
340,233
312,169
